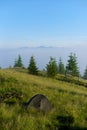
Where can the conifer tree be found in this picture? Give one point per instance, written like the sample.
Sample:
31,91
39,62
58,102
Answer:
61,69
18,62
52,68
72,65
85,73
32,66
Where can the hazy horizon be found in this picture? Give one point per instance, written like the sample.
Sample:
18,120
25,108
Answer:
42,55
45,46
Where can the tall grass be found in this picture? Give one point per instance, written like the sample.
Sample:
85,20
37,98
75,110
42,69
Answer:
68,101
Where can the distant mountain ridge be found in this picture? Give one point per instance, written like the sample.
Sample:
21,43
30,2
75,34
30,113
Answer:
26,47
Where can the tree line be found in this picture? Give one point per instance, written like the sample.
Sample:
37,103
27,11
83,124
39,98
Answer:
52,67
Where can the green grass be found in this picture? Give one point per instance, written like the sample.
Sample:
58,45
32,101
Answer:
69,101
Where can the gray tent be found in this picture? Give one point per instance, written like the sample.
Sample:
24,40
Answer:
39,102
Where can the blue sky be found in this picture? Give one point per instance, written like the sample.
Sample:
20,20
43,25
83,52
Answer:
43,23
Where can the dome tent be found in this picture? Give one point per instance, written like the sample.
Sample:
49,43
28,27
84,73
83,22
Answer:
39,102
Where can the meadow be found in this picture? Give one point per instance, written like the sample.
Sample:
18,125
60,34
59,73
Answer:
68,100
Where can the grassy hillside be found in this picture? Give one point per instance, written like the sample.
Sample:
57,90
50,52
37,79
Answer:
69,102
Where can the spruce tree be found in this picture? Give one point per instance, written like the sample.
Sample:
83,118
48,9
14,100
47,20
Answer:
72,65
85,73
52,68
18,62
61,69
32,66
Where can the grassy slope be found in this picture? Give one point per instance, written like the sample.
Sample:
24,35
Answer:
67,99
